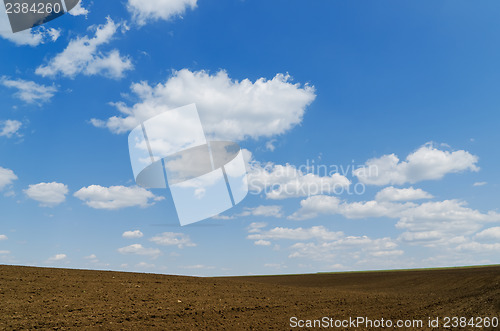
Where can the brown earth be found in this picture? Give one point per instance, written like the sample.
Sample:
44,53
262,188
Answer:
32,298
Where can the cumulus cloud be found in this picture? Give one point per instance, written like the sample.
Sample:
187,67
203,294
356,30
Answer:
132,234
3,237
9,128
229,109
406,194
47,194
153,10
138,249
29,91
116,197
7,177
285,181
426,163
83,55
180,240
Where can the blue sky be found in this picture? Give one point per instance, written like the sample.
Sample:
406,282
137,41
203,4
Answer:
406,88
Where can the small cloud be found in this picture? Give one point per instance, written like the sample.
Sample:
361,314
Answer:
79,10
58,257
138,249
116,197
132,234
144,265
48,194
10,128
262,243
91,257
3,237
270,145
198,266
480,183
4,252
180,240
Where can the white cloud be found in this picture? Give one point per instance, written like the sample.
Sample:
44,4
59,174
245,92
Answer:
4,252
138,249
58,257
180,240
275,265
9,128
198,266
406,194
264,211
3,237
491,234
479,247
270,145
315,232
48,194
262,243
328,205
91,257
145,265
78,10
426,163
480,183
29,91
286,181
82,55
229,109
116,197
256,227
153,10
132,234
7,177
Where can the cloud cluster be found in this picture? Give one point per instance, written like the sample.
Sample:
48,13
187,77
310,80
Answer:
82,55
29,91
320,244
229,109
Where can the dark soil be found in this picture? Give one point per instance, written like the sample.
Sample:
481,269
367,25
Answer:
32,298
